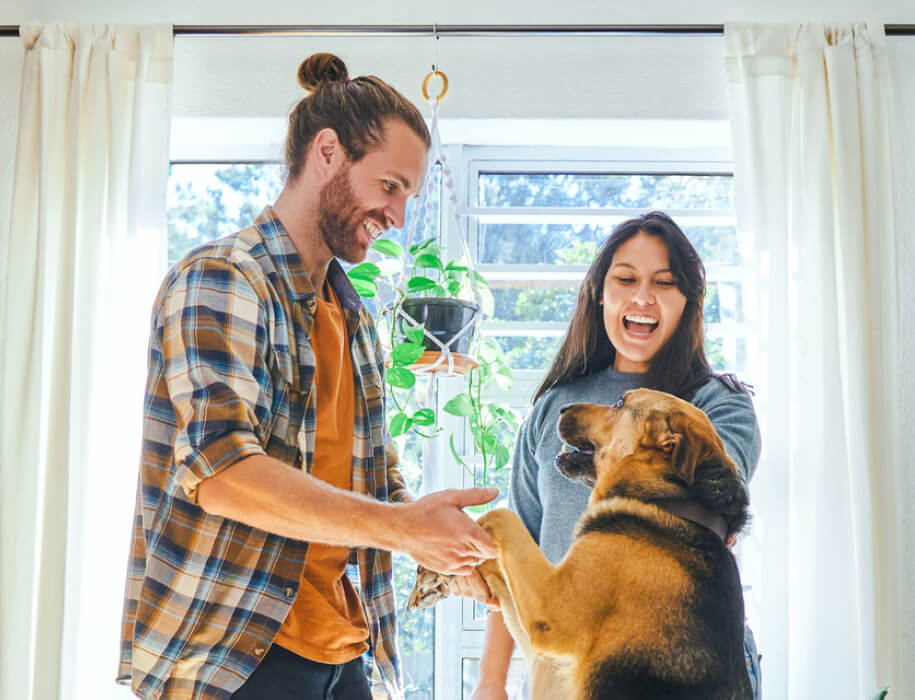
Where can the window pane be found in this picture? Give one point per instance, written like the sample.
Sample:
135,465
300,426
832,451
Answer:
206,201
576,244
727,353
210,200
715,244
551,304
525,352
540,244
723,302
613,191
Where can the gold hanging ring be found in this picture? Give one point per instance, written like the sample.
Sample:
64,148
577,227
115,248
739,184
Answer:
444,78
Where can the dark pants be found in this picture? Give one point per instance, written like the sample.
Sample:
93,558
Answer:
284,675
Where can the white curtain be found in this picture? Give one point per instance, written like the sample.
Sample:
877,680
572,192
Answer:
811,118
86,251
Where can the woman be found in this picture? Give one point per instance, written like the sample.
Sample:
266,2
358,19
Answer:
637,323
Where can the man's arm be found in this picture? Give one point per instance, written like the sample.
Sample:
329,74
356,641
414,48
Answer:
269,495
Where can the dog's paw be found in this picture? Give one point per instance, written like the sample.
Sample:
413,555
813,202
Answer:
430,587
499,521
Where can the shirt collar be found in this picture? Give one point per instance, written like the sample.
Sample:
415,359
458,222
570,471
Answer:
288,263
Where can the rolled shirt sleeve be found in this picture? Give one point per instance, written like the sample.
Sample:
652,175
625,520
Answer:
213,335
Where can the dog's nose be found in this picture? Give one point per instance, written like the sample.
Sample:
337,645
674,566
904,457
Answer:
566,407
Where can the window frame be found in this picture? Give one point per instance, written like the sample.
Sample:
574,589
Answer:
470,162
467,162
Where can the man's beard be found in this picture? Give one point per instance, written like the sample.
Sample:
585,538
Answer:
339,218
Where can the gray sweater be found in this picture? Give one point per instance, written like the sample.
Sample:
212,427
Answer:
550,504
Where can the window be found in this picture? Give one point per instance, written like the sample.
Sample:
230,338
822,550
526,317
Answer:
534,218
210,200
537,225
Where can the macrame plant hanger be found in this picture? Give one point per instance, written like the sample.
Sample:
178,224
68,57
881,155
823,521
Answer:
445,362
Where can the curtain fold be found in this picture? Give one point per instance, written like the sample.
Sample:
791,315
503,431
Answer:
86,245
812,126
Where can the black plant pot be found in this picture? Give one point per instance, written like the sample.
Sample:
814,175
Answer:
443,318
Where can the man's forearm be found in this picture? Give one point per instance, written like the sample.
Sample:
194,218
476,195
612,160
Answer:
272,496
267,494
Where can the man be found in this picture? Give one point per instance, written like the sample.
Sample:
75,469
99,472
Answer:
266,466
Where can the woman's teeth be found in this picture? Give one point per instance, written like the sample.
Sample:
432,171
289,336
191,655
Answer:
640,324
641,319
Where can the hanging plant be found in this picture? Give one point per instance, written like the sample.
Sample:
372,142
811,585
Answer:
432,324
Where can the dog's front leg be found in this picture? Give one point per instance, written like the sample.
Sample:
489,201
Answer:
528,575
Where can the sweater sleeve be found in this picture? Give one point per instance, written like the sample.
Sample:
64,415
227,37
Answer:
734,418
523,492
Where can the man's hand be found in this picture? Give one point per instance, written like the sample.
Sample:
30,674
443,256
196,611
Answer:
440,536
475,587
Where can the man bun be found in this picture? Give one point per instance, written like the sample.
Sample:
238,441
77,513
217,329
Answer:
321,68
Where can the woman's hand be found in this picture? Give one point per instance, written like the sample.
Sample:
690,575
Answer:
489,692
473,586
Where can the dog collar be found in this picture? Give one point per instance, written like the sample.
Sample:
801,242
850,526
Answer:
697,513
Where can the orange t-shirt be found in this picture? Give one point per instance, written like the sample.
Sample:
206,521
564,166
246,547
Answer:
326,622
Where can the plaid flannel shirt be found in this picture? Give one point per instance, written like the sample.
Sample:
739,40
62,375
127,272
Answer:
231,374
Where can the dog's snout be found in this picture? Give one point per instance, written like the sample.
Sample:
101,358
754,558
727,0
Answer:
566,407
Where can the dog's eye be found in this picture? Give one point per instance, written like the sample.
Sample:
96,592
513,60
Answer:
620,402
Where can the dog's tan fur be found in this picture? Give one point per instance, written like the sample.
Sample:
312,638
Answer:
621,599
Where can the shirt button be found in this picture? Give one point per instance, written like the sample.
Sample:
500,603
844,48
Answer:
259,651
290,592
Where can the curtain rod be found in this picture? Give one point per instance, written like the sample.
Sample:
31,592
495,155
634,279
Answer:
459,30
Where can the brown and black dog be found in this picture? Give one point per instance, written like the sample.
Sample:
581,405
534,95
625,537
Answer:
647,603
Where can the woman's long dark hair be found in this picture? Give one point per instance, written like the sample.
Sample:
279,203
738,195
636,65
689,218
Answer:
680,366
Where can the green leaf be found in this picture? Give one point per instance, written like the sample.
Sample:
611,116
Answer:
400,423
414,334
420,284
364,288
479,279
365,271
424,416
486,442
406,353
400,377
502,456
457,265
422,245
504,378
460,405
489,351
388,247
438,290
880,694
428,261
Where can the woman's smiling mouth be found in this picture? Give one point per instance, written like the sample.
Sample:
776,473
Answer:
640,325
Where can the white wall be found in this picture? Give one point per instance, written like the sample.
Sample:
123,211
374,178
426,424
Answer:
445,12
582,77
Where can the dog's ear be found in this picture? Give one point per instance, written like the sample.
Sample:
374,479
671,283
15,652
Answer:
684,454
675,435
699,444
